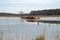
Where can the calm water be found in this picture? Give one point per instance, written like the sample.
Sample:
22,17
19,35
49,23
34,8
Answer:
19,29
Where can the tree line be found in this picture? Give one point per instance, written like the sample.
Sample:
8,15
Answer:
46,12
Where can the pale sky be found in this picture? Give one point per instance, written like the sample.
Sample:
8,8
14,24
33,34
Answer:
15,6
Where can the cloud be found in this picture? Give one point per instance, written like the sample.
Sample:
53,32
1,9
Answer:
31,1
27,5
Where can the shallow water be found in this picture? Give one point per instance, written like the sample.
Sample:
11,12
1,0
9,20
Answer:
19,29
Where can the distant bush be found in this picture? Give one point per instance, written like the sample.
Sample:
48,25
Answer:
46,12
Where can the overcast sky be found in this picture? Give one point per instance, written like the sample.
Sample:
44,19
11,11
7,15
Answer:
15,6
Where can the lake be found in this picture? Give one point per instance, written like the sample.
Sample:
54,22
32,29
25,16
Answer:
12,28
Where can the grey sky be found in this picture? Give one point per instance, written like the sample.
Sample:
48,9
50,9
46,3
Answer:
27,5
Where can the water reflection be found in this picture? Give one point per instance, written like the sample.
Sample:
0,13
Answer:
14,29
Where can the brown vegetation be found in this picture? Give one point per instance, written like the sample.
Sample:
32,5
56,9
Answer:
41,37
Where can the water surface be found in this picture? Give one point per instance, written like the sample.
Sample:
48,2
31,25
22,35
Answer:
18,29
